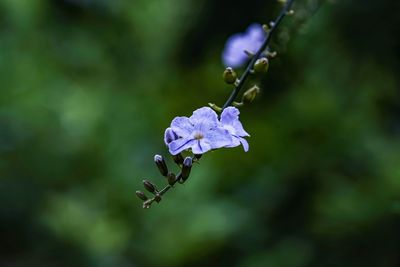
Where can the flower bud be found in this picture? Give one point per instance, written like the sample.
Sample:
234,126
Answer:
141,195
229,76
171,178
250,94
261,65
187,166
149,186
157,198
266,28
162,166
178,159
170,136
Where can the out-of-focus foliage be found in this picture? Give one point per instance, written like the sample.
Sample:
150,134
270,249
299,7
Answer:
88,87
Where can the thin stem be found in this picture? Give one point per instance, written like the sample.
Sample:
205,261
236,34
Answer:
148,203
249,68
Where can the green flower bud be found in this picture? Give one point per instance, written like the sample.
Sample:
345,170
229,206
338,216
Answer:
250,94
229,76
161,165
261,65
141,195
171,178
149,186
266,28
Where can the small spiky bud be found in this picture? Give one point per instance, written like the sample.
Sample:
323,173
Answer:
149,186
187,166
141,195
229,76
161,165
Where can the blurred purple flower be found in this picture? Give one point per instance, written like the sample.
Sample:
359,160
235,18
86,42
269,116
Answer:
200,133
230,121
251,40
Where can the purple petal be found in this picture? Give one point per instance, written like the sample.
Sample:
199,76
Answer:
235,141
239,129
255,32
256,35
204,119
182,126
233,55
251,40
245,144
230,117
169,136
177,146
201,147
218,138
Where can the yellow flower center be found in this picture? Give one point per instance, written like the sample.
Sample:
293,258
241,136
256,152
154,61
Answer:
198,136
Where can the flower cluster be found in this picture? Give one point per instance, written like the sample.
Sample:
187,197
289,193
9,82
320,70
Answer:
203,132
234,54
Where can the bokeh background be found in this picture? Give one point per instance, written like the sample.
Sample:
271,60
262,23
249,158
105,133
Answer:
88,87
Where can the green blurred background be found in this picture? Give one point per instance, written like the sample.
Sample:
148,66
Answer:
88,87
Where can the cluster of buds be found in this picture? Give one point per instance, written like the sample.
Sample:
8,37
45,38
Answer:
230,77
185,166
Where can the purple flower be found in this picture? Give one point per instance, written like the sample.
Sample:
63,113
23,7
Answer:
233,54
200,133
230,121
